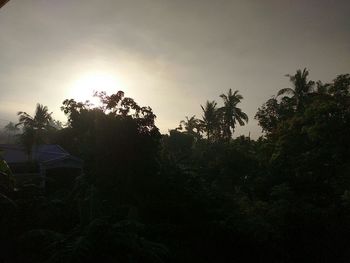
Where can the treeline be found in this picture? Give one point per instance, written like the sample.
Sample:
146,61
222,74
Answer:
8,133
217,123
196,194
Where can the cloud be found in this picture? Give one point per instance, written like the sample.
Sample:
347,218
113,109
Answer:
174,55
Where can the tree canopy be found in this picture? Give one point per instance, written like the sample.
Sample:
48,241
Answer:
196,194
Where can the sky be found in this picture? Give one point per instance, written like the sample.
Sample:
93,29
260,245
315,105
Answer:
170,55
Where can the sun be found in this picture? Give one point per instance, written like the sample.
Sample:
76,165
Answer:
87,84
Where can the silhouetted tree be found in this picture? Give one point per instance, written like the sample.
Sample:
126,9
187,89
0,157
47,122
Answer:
281,198
40,121
119,143
34,127
231,113
211,119
301,87
192,126
340,86
11,129
273,112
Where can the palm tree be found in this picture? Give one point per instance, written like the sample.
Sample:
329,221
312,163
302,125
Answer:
210,120
33,127
231,114
192,124
40,121
301,87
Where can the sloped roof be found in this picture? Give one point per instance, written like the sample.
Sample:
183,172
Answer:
14,153
65,161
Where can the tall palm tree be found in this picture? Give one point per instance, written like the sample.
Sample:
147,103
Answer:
192,124
301,87
231,114
33,127
28,139
41,120
210,117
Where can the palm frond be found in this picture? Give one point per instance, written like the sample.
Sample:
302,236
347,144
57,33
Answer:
285,91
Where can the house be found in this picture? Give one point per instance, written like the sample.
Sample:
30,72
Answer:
48,166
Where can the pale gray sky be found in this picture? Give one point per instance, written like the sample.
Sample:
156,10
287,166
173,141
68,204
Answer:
170,55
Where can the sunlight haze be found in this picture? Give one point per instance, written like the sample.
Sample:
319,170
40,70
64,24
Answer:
169,55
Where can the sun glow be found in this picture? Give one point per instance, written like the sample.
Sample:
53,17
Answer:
87,84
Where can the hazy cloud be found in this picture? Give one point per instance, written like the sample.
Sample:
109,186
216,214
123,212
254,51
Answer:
172,55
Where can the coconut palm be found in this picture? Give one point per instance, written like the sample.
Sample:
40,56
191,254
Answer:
210,117
40,121
301,87
33,127
192,125
28,139
231,114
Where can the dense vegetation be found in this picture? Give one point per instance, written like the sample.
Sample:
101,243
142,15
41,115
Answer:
195,195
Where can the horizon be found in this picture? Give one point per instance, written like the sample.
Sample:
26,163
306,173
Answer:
172,65
162,131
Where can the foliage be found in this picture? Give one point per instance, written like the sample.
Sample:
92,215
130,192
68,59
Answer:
211,120
192,126
196,195
99,241
231,114
217,123
35,129
40,121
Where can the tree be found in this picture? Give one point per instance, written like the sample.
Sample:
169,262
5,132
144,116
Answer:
56,124
340,86
192,125
11,129
231,113
301,87
119,144
34,127
40,121
211,119
273,112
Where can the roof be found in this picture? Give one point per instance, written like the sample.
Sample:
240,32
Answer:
45,154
